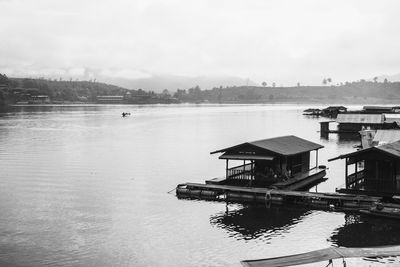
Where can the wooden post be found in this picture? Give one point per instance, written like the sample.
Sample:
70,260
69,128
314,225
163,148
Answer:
227,168
316,159
356,168
252,170
346,172
244,169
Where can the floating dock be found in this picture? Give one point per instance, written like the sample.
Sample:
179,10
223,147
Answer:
275,196
327,254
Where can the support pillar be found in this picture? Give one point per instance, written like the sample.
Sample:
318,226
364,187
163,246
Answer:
226,174
346,173
244,170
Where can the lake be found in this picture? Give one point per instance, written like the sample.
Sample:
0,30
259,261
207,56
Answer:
82,186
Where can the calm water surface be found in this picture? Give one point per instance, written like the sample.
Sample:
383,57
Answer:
82,186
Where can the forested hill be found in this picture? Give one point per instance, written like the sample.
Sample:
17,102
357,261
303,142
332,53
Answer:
39,91
65,90
47,91
355,93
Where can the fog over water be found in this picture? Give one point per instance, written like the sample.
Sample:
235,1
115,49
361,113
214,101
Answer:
80,185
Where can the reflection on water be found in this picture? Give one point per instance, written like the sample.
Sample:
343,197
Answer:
366,231
257,222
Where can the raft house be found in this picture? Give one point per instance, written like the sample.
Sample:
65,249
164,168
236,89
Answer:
373,183
354,123
280,162
373,171
288,157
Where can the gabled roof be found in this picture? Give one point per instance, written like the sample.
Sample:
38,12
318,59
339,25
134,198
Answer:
284,145
393,149
359,118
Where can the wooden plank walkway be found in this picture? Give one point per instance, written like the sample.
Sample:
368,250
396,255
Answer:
324,255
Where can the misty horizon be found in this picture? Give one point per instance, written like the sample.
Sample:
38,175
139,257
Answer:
283,42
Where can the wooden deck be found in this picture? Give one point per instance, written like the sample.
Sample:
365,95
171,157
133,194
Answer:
324,255
301,180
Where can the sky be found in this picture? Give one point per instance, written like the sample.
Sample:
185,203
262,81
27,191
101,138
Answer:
282,41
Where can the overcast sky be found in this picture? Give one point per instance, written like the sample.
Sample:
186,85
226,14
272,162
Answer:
282,41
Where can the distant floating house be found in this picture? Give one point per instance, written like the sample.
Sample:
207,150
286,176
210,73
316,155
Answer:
265,161
373,171
351,122
333,111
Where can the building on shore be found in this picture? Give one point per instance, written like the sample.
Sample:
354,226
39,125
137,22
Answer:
110,99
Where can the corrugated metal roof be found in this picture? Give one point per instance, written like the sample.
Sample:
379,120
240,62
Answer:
390,118
386,136
360,118
284,145
287,145
245,156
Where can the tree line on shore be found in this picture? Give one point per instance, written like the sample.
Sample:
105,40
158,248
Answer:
14,90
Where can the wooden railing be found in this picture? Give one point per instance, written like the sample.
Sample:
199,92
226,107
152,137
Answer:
355,179
242,172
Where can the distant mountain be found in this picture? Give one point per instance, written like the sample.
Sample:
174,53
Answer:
158,83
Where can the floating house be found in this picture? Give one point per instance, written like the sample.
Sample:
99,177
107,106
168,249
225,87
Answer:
355,122
373,171
270,161
333,111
